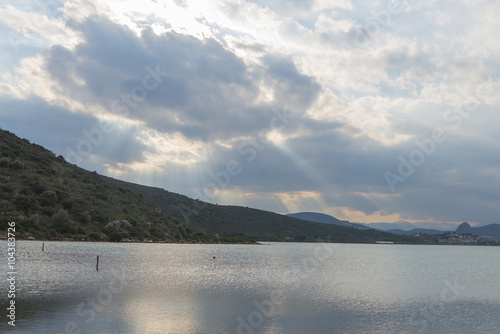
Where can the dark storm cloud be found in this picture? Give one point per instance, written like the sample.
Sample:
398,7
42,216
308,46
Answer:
203,91
56,128
209,93
453,183
292,88
41,123
325,157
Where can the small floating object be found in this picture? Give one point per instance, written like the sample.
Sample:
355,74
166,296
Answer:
214,257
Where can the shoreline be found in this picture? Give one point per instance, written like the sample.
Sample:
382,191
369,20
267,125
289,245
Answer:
258,243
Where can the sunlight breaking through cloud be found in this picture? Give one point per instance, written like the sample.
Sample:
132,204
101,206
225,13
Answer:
186,87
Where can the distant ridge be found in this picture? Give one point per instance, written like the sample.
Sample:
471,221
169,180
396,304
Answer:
326,219
244,222
464,228
416,231
407,226
491,231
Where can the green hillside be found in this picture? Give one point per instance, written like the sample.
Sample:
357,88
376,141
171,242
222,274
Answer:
252,223
49,198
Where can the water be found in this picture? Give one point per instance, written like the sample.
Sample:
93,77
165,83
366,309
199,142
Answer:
276,288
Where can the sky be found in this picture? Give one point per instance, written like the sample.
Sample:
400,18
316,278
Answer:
370,111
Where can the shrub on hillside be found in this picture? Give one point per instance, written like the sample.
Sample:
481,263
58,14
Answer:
5,162
61,222
18,165
94,236
115,236
22,203
48,198
85,218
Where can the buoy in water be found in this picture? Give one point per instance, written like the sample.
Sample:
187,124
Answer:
214,257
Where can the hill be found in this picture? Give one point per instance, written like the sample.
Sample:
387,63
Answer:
324,218
251,223
417,231
490,231
52,199
407,226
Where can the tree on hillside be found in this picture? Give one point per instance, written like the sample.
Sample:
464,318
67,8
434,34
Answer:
61,222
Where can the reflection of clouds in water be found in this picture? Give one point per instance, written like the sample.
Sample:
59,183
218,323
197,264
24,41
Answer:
170,288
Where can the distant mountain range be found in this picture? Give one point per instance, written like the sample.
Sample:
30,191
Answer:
491,231
405,228
417,231
326,219
400,227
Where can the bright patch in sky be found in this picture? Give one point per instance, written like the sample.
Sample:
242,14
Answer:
369,111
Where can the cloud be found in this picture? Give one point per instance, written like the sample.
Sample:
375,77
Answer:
208,93
34,119
191,86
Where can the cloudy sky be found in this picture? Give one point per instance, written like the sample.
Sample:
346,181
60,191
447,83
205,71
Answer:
371,111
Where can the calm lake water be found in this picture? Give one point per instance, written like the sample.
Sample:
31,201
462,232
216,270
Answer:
276,288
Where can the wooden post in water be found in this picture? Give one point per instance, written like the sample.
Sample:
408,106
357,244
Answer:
97,264
43,246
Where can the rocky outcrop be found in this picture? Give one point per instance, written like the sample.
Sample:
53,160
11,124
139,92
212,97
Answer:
119,223
464,228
